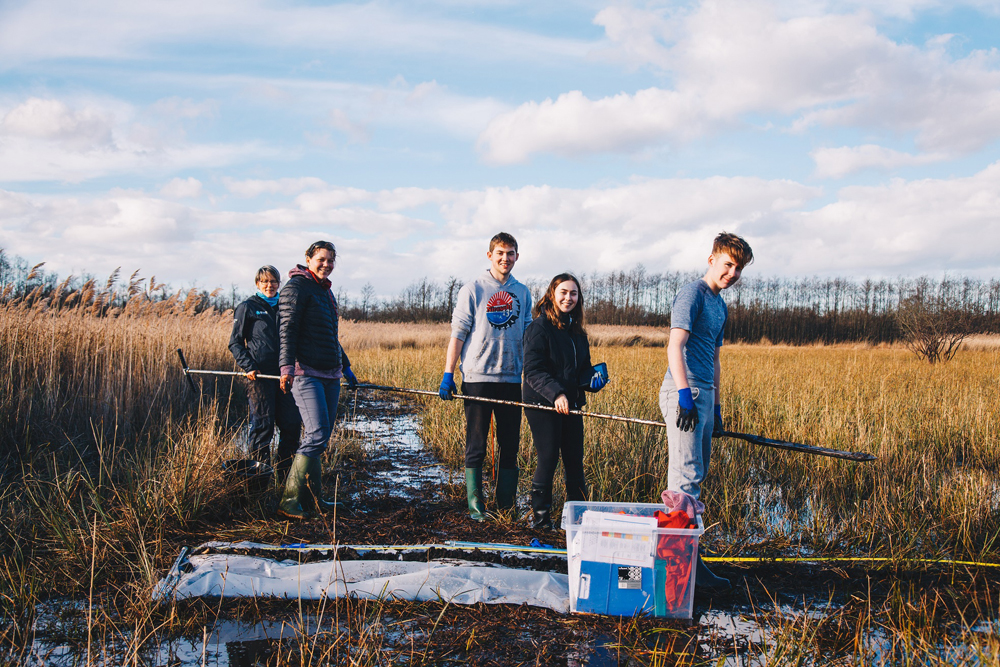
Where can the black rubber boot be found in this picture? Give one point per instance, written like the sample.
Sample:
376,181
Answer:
474,493
541,507
291,505
707,582
314,476
507,488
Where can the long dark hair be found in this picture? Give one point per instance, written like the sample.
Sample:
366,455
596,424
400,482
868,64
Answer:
547,306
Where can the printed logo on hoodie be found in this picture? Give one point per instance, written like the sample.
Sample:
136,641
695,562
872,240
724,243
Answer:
502,309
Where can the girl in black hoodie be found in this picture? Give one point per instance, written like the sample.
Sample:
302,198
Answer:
557,372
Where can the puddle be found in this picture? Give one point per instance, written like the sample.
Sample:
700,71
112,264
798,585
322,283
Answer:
402,466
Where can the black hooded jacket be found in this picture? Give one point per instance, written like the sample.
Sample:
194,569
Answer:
556,361
254,341
310,324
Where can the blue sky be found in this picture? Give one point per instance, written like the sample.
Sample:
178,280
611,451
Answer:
196,141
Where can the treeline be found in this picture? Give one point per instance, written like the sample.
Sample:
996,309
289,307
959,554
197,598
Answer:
780,310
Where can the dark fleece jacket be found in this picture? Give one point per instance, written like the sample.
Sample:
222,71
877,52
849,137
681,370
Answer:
254,340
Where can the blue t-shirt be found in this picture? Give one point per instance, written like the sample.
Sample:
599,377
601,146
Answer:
702,313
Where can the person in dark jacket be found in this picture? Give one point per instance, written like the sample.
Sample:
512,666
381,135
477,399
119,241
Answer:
254,344
312,364
557,372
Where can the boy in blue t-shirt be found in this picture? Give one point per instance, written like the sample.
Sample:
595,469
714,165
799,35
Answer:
689,395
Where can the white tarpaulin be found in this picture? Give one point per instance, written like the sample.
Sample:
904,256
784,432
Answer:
455,581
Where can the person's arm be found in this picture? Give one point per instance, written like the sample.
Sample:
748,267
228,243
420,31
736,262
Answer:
462,321
290,315
448,389
237,342
454,353
675,357
687,413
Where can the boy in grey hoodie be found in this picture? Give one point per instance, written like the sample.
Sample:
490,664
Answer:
487,329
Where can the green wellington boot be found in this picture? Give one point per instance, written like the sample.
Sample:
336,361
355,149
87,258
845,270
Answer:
474,493
314,478
296,491
507,488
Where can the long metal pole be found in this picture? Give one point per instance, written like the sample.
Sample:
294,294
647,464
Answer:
753,439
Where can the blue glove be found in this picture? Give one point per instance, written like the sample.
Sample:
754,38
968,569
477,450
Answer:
447,389
687,415
717,427
597,381
352,379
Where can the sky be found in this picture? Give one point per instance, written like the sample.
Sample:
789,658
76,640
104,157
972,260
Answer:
197,141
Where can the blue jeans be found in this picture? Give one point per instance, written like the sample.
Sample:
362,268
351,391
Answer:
317,399
689,451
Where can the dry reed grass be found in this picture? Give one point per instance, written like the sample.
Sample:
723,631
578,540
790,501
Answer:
390,336
114,456
936,430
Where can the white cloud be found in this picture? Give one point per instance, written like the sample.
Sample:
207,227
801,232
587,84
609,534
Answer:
178,107
182,188
339,120
46,139
845,160
575,125
731,60
389,238
61,29
52,120
286,186
924,226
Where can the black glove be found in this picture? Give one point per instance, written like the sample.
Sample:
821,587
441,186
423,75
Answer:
718,428
687,413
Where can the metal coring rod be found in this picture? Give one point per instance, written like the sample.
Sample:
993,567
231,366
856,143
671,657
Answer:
752,439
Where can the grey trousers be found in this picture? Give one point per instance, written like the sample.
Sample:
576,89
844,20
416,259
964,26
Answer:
689,452
317,400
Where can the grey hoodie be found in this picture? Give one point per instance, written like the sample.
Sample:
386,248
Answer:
491,318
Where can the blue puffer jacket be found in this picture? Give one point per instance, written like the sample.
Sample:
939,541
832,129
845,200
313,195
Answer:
310,323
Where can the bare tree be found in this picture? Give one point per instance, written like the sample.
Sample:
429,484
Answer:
933,325
367,300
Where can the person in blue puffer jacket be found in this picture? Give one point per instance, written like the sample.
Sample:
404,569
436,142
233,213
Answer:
254,344
312,364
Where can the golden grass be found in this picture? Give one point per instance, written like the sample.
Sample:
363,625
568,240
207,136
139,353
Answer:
933,492
391,336
114,453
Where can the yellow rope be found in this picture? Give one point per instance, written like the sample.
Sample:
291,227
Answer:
834,559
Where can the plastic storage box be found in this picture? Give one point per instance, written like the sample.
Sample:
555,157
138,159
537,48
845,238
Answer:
621,563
